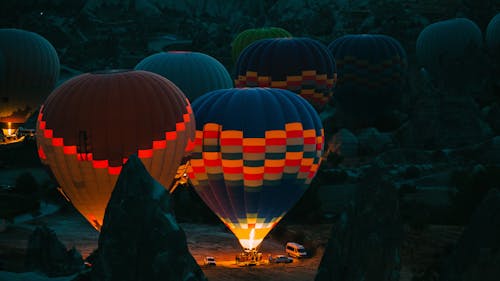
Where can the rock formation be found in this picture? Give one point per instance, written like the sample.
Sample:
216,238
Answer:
365,242
48,255
477,253
140,238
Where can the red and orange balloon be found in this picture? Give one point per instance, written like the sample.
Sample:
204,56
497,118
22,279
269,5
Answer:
91,124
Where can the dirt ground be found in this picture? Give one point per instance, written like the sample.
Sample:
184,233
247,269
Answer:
203,240
420,249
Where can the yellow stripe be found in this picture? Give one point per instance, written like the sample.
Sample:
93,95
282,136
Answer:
321,77
307,161
263,78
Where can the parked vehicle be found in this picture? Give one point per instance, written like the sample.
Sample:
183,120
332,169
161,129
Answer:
295,250
280,259
209,261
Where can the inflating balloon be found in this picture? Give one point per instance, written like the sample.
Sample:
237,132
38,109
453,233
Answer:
256,151
91,124
29,69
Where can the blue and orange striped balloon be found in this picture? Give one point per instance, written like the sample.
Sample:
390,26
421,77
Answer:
301,65
371,71
256,151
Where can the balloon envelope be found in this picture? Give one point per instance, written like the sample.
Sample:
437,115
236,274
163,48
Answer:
194,73
301,65
91,124
256,151
29,69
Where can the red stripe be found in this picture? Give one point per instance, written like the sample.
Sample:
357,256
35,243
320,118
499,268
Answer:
43,124
69,149
84,157
57,142
186,118
198,141
289,162
253,176
100,164
198,170
294,83
47,133
114,170
294,134
189,146
310,140
254,149
233,170
213,163
273,170
145,153
231,141
159,144
309,77
311,174
210,134
180,127
41,153
280,141
171,135
305,168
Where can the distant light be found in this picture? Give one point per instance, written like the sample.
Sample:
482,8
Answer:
41,13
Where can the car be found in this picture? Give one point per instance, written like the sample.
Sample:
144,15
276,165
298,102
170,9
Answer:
295,250
280,259
209,261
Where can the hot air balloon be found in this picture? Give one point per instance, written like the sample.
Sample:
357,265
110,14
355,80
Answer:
256,151
91,124
29,68
442,47
301,65
248,36
371,70
492,36
194,73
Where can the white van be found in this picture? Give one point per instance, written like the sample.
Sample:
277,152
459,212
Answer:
295,250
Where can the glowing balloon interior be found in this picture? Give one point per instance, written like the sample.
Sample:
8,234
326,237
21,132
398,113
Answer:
256,151
90,125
